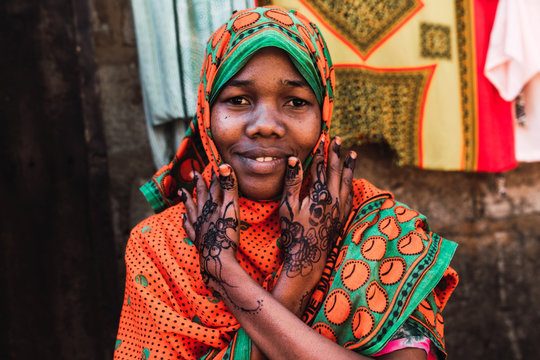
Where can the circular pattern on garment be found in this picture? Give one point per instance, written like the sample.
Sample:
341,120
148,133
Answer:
305,36
374,248
392,270
245,20
281,17
187,167
168,183
387,204
376,297
403,214
411,244
326,331
362,322
354,274
359,231
218,35
389,227
337,306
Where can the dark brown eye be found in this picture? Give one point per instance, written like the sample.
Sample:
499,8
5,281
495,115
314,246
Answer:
238,100
297,102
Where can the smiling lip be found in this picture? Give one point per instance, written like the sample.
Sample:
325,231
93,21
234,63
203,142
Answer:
263,161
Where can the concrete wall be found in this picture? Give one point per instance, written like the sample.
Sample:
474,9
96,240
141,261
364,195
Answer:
494,218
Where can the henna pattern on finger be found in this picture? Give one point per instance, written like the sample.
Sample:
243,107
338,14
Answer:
292,171
349,162
227,182
320,196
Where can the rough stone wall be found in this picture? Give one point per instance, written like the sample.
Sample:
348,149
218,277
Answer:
495,219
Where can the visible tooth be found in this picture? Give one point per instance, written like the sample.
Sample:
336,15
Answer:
268,158
260,159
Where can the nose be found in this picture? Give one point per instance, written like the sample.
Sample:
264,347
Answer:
265,121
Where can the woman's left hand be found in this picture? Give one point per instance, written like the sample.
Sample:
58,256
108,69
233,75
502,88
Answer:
310,227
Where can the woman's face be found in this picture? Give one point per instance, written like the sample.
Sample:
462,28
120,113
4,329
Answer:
263,115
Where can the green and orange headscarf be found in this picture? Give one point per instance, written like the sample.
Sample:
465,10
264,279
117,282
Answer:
227,52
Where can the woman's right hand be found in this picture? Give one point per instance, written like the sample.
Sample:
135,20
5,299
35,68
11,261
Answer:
212,224
310,227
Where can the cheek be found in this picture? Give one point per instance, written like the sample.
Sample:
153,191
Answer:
223,131
307,135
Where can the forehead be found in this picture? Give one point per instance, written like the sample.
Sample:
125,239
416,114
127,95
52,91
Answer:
269,65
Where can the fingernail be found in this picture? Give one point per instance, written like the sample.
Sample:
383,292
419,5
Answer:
293,169
182,195
225,178
293,161
224,170
350,162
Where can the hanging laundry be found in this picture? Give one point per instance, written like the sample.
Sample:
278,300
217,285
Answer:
171,38
513,66
410,73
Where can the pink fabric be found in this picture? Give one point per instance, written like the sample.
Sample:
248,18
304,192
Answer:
399,344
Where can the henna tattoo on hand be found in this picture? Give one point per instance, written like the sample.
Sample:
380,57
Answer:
301,249
214,242
303,246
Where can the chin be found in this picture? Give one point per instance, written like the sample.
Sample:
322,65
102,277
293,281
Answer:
262,192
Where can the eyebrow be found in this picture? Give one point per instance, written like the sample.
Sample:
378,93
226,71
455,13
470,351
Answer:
295,83
301,83
240,83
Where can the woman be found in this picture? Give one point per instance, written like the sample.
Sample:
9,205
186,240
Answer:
263,259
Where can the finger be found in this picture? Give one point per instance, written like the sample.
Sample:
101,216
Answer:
202,190
215,189
334,168
293,185
190,230
347,180
191,208
229,188
318,172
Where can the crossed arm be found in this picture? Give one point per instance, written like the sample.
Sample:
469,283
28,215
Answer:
309,229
